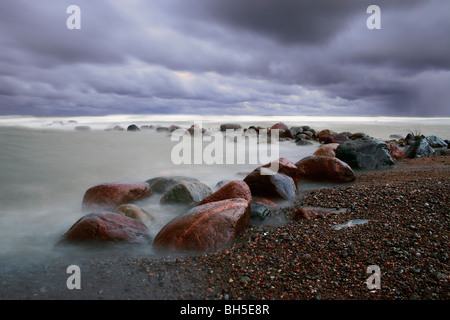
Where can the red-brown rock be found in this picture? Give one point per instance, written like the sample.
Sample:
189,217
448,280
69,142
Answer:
267,202
325,134
327,150
208,227
233,189
110,195
309,213
395,152
280,126
335,138
320,168
107,227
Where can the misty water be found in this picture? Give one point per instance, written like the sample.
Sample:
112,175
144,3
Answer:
46,166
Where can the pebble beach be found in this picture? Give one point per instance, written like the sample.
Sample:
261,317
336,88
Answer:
406,236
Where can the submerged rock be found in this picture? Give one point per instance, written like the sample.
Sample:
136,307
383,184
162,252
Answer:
232,126
207,227
134,211
108,196
107,227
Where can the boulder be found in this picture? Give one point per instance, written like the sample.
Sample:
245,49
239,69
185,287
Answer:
133,211
296,131
82,128
164,183
233,189
321,168
107,227
324,134
280,126
108,196
277,185
231,126
133,127
162,129
186,193
436,142
327,150
335,138
207,227
420,148
365,153
395,152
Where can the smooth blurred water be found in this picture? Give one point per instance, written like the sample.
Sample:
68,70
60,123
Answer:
46,166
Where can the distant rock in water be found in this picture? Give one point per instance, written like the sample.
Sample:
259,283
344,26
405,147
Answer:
133,127
208,227
420,148
107,227
82,128
365,153
108,196
232,126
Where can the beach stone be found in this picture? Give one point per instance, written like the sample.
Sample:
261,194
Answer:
295,131
267,202
107,227
327,150
174,127
324,134
420,148
335,138
233,189
207,227
162,129
280,126
309,213
259,212
186,193
133,127
163,183
134,211
395,152
108,196
436,142
301,142
82,128
277,185
232,126
365,153
321,168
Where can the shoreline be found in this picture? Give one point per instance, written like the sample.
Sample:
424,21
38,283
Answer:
407,238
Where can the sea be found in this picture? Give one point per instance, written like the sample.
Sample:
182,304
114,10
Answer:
47,164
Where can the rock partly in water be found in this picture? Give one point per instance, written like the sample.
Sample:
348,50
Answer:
135,212
259,212
365,153
164,183
229,126
108,196
186,193
420,148
233,189
107,227
327,150
208,227
133,127
322,168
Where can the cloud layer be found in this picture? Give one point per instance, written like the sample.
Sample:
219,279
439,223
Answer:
265,57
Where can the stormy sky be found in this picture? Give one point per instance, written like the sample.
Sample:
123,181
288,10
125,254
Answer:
235,57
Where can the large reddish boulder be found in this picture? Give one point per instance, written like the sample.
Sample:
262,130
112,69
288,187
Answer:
107,227
321,168
108,196
325,134
208,227
233,189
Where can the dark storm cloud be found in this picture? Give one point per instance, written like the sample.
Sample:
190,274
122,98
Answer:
225,56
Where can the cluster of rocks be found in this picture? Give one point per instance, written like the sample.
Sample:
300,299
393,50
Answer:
211,219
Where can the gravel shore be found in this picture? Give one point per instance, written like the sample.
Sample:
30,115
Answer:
407,237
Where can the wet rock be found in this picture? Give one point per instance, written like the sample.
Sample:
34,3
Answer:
420,148
309,213
259,212
108,196
162,129
296,131
365,153
173,128
231,126
335,138
327,150
107,227
208,227
321,168
280,126
134,211
233,189
186,193
267,202
325,134
82,128
133,127
164,183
